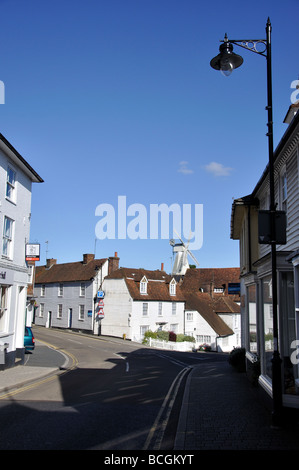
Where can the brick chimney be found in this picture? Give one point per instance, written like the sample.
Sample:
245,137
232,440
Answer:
113,263
50,262
87,258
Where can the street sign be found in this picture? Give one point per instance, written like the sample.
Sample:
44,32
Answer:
101,303
101,313
100,294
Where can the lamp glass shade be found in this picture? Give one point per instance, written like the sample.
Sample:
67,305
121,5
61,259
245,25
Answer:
226,61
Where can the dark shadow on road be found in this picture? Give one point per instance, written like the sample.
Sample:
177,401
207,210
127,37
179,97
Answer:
104,408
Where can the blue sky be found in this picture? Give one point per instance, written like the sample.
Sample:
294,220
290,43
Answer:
109,98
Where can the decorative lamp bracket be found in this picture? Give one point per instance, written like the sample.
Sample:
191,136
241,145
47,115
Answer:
259,46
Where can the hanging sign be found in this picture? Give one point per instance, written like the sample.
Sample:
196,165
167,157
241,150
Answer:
32,252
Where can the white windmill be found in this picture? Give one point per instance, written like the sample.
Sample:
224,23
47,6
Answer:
182,251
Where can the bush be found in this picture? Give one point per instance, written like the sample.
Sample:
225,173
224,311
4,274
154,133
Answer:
180,338
149,334
237,359
163,335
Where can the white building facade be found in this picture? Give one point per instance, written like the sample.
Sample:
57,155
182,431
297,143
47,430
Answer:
256,269
66,295
138,300
16,178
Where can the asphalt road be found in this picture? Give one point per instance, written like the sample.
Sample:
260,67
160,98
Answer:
118,395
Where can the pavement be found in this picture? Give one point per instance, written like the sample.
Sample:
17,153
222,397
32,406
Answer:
221,410
47,362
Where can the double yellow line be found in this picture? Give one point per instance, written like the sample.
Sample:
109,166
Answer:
36,382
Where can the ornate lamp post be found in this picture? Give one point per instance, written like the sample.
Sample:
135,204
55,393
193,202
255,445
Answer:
226,61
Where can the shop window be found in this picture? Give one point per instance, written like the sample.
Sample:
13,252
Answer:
252,316
288,331
268,345
3,306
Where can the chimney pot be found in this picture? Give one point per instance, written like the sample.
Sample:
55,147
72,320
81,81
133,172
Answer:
87,257
113,263
50,262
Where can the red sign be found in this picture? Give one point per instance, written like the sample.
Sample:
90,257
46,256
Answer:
101,312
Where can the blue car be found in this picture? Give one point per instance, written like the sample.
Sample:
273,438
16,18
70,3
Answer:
29,341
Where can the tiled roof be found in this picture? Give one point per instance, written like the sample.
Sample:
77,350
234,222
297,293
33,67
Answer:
225,304
68,272
202,278
203,304
157,285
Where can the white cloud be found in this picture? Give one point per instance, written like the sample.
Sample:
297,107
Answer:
183,168
217,169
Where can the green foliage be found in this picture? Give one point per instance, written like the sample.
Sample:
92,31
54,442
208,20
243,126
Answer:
166,336
163,335
180,338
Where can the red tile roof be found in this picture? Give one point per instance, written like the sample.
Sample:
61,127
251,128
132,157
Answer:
68,272
157,285
204,278
225,304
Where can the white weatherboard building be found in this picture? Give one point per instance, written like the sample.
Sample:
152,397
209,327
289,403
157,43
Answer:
138,300
16,178
256,268
66,294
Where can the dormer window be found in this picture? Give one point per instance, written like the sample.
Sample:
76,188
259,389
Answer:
143,285
172,287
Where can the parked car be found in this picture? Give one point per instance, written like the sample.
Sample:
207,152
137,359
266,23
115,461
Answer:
29,341
203,347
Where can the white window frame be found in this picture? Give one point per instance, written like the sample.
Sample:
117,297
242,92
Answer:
143,329
173,308
59,311
143,285
160,309
81,312
3,297
3,306
7,241
43,290
10,192
189,316
82,289
172,287
60,290
145,309
41,310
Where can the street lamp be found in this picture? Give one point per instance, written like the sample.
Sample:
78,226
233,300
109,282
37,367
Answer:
226,61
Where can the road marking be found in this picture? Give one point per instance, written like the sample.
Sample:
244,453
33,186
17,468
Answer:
36,383
121,357
160,423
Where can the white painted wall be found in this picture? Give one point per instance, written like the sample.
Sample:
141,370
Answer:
14,266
